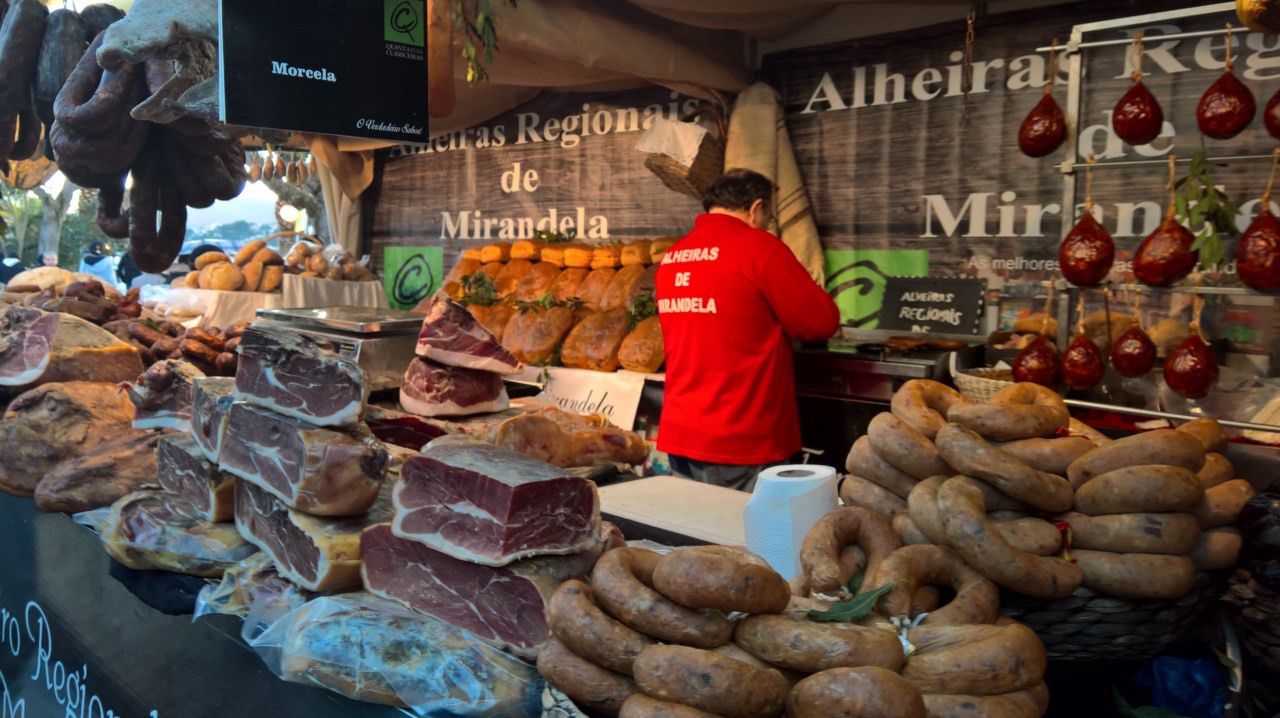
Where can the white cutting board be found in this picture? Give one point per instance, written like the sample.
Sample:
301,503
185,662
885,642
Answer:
691,508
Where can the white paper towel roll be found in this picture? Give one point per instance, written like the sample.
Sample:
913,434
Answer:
787,502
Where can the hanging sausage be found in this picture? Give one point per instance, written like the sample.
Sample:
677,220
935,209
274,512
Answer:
1165,256
1271,116
1038,362
1082,364
1045,128
1087,252
1258,251
1227,107
1191,370
1137,117
1133,354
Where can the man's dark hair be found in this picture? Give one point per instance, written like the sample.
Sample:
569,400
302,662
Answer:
97,248
737,189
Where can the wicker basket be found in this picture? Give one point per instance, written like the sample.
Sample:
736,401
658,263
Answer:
706,168
1088,626
979,385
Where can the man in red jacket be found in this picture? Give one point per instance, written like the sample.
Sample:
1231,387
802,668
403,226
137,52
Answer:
731,298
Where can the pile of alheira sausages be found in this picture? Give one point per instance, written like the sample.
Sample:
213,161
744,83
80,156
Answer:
943,493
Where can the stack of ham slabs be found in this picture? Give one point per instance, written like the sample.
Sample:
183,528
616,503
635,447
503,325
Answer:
459,367
310,474
481,538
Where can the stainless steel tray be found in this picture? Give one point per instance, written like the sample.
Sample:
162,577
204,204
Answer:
358,320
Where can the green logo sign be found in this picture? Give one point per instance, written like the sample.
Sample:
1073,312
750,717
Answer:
403,22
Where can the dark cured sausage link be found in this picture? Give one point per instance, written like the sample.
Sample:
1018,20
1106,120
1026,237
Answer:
81,176
173,227
182,169
28,135
64,43
79,87
8,134
144,203
97,17
114,95
121,156
111,218
21,34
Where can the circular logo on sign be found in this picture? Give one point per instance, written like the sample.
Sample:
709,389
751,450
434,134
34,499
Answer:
404,19
413,281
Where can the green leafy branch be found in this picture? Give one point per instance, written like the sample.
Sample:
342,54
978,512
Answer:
858,606
480,38
642,308
553,237
545,303
1206,211
478,290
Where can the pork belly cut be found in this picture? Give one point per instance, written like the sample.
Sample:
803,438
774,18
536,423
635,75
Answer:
210,405
432,389
163,395
451,335
39,347
320,471
490,505
300,375
186,472
505,606
316,552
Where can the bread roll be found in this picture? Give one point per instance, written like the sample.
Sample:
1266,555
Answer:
472,253
247,252
272,276
222,276
252,275
606,257
658,248
192,280
527,249
577,255
497,252
208,258
317,263
553,254
637,252
268,257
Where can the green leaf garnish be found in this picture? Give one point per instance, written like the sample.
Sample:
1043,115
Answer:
857,607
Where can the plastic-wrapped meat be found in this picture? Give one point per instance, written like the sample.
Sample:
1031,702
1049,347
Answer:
317,553
184,471
254,590
157,530
491,505
372,649
301,376
505,606
210,406
100,477
320,471
163,395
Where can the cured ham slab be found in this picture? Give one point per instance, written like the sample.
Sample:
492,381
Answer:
186,472
451,336
210,404
301,376
492,506
100,477
320,471
55,422
163,396
432,389
160,531
39,347
505,606
315,552
400,429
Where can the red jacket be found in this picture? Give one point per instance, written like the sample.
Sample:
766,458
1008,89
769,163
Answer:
731,298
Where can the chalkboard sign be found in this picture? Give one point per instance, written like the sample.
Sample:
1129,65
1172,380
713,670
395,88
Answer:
339,67
932,304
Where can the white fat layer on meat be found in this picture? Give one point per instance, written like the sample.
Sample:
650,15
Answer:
466,361
422,407
164,421
445,546
349,414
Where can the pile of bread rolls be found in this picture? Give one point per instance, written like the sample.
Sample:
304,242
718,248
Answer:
1006,483
570,302
333,262
714,631
255,268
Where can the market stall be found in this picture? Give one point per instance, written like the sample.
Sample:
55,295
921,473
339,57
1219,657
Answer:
457,507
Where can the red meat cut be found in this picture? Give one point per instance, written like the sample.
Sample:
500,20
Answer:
505,606
400,429
163,395
300,375
39,347
451,336
184,471
210,404
320,471
491,505
432,389
315,552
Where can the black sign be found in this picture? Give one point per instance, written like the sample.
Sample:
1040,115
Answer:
931,304
341,67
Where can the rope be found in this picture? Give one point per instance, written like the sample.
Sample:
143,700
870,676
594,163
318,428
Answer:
1173,159
1136,53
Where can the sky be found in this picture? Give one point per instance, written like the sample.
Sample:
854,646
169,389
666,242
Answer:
256,205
